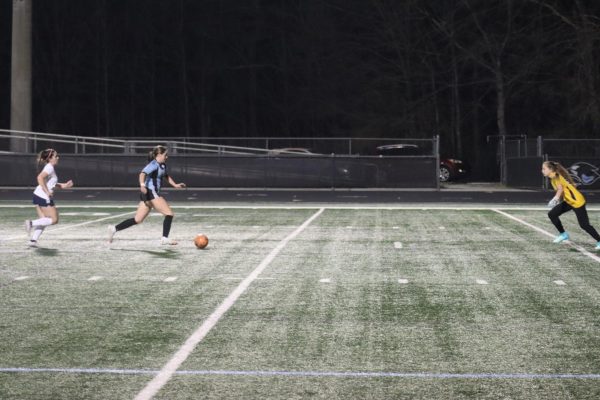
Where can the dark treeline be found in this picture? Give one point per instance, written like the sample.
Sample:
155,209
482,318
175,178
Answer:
463,69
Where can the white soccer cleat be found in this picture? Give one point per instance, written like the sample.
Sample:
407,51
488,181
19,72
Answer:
32,243
28,226
168,242
562,237
111,233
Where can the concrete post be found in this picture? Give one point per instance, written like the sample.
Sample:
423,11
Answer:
20,94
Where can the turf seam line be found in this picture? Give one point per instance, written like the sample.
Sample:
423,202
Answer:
544,232
190,344
337,374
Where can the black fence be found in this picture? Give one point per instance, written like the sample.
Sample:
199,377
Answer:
285,171
526,172
523,158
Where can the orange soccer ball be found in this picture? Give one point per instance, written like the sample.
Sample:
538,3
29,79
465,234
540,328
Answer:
201,241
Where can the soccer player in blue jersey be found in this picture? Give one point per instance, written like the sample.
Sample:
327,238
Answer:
43,196
150,180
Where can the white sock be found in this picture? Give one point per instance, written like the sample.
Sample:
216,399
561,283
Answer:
45,221
37,233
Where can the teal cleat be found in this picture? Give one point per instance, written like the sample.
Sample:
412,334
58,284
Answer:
562,237
597,246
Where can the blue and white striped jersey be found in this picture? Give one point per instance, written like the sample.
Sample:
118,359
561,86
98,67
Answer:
155,172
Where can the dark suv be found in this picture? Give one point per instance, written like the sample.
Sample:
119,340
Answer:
450,168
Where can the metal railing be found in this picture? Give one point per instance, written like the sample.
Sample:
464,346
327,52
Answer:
35,142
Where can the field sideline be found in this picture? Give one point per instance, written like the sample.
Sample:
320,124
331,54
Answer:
314,301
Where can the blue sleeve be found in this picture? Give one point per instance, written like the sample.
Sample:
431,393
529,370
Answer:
150,168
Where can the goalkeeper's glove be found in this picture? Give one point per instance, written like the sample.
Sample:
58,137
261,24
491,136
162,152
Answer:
554,202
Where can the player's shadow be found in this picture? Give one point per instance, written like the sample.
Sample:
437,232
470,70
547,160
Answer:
167,254
46,252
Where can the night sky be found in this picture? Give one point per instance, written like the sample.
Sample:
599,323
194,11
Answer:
337,68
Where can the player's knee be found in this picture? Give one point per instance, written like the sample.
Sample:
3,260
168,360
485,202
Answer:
54,220
170,216
138,220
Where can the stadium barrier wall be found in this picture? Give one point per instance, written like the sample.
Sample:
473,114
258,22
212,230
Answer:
525,172
290,171
584,171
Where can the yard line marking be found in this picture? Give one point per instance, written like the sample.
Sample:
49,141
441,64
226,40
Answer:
340,374
190,344
542,231
316,207
170,279
325,280
402,280
481,282
397,245
95,278
21,278
560,283
62,228
239,278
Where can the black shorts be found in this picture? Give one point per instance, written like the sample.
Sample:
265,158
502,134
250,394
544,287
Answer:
150,195
40,201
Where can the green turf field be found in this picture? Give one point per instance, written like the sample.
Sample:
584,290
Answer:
290,303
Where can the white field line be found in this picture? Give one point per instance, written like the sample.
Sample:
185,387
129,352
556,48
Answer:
190,344
544,232
62,228
326,206
335,374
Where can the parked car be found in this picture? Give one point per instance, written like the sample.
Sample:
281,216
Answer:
450,168
300,163
291,151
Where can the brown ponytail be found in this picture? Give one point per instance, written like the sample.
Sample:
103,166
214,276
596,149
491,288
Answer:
156,151
45,155
559,169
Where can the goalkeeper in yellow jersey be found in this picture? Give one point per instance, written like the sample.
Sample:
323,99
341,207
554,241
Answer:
567,198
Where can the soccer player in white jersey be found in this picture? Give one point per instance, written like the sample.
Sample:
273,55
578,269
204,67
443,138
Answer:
43,196
150,180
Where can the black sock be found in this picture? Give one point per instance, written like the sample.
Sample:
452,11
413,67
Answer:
167,225
125,224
